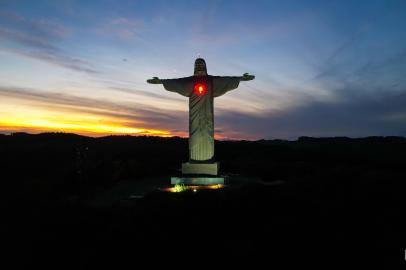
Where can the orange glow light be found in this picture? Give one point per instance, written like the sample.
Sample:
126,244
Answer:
193,188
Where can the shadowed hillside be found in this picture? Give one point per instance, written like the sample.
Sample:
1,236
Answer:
333,199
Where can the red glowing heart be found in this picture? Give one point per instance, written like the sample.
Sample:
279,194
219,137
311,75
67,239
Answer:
200,89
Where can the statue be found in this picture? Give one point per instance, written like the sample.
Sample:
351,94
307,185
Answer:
201,89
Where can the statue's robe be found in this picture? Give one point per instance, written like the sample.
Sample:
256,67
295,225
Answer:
201,120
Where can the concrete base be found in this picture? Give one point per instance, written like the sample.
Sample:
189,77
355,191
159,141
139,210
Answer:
200,168
197,181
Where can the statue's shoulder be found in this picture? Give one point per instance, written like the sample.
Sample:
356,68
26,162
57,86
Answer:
181,79
214,78
221,77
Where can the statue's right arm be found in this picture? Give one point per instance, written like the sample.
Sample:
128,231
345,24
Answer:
181,86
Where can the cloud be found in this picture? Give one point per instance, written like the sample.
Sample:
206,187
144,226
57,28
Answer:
42,28
26,40
124,28
38,39
57,59
367,96
333,63
144,93
355,115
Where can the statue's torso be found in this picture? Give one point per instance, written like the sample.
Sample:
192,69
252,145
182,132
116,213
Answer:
201,121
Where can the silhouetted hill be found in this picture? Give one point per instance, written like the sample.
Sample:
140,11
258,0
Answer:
341,199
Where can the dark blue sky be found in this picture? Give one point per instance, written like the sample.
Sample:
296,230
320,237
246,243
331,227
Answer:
323,68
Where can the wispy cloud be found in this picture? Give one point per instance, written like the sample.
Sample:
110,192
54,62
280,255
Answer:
354,113
42,28
368,97
39,39
57,59
143,93
27,40
124,28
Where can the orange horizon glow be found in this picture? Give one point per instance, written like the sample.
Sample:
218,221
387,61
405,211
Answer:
83,125
95,132
21,117
90,129
93,126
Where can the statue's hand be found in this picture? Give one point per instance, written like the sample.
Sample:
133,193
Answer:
247,77
154,80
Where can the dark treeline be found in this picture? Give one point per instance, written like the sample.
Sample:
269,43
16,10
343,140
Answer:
344,195
49,165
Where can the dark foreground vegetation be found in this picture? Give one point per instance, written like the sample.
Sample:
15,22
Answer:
335,200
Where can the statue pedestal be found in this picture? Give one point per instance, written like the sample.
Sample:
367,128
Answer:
197,181
199,174
200,168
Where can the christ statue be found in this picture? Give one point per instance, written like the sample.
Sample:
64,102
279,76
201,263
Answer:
201,89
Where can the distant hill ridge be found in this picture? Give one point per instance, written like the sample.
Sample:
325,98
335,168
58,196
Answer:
301,139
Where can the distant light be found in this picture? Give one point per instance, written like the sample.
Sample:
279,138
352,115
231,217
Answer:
181,188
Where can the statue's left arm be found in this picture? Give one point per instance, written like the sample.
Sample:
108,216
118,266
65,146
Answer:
224,84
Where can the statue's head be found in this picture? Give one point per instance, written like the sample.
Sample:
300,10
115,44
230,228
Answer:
200,67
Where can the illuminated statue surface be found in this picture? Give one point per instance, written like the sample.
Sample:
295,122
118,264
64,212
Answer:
201,89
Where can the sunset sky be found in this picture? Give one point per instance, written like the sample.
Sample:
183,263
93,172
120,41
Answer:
323,68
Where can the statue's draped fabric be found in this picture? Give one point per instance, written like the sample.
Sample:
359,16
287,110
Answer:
201,120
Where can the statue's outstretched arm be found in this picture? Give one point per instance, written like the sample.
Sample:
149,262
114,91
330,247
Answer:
183,86
227,83
247,77
155,80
